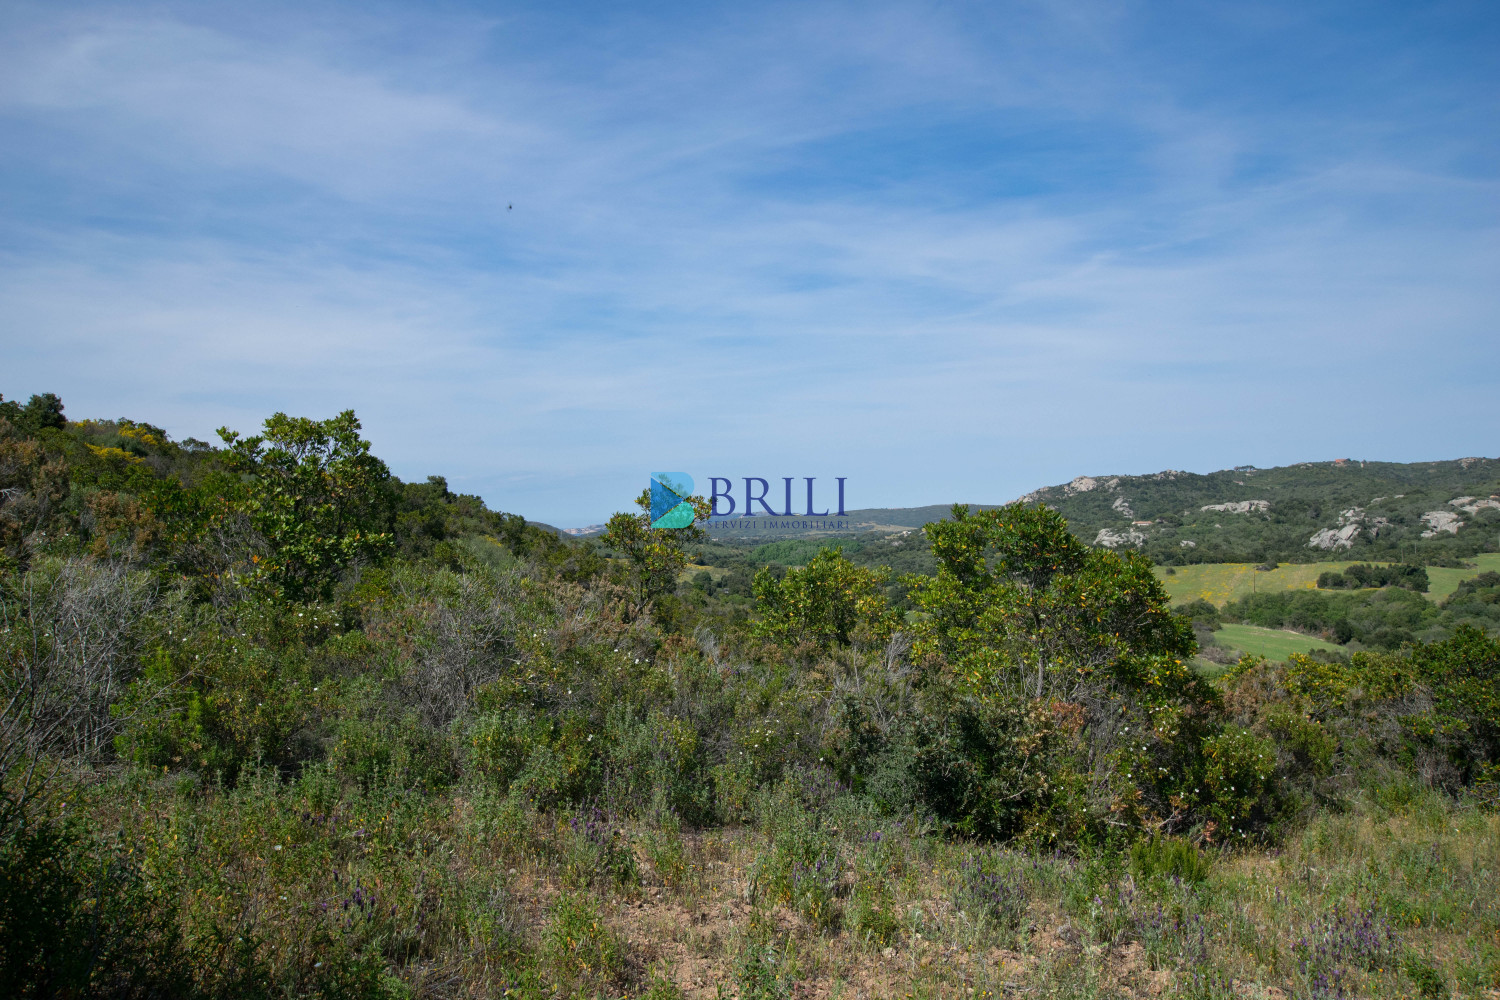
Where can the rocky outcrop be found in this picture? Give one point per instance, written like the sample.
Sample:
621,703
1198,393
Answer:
1440,521
1240,506
1084,484
1351,523
1473,505
1335,538
1111,539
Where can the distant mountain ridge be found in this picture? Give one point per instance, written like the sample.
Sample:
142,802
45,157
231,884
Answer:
1346,508
1431,510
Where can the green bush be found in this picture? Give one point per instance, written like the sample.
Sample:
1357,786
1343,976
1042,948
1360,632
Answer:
657,764
597,852
1306,746
1201,612
549,760
829,601
1239,779
579,954
1436,707
403,752
872,912
219,698
979,767
80,919
1168,857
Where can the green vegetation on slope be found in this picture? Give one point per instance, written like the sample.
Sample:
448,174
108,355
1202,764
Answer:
1426,513
279,725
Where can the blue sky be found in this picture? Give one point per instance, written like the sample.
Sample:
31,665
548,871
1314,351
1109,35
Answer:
948,251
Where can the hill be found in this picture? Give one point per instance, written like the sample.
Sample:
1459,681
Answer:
1429,512
275,723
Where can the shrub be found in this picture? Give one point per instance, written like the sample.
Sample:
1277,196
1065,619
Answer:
79,918
597,851
1168,857
1462,675
579,953
551,760
405,752
1240,781
1437,707
830,601
872,915
658,763
995,897
1201,612
219,698
978,766
1307,748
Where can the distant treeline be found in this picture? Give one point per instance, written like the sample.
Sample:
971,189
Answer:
1361,576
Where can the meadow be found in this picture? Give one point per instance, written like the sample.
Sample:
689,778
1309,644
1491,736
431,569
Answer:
1220,583
313,888
1273,644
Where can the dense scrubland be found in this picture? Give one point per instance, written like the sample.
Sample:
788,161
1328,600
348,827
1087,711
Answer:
278,724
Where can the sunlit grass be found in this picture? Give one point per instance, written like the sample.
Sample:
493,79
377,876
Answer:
1220,583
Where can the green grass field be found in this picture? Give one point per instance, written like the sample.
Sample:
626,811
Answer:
1445,581
1272,643
1220,583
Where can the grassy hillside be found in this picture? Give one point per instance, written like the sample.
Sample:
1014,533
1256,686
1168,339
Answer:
1274,644
1220,583
1445,580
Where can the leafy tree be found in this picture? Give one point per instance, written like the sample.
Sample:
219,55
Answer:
316,495
40,412
830,600
1055,697
653,556
1021,604
1200,612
